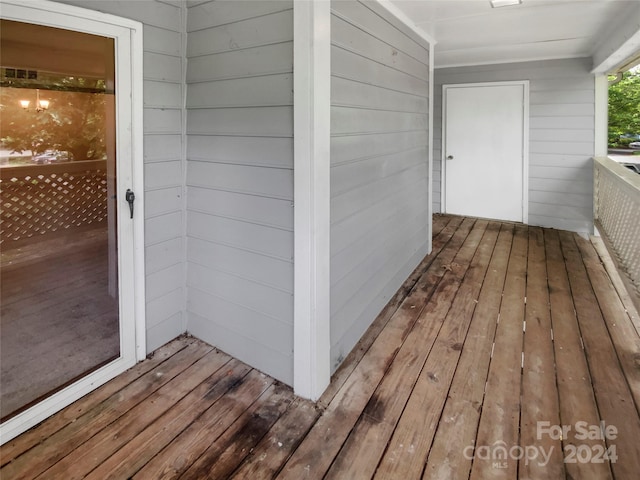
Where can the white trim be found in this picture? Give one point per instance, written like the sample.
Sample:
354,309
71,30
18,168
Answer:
443,173
620,44
183,134
601,122
128,44
525,140
137,166
508,61
430,160
312,115
525,152
53,14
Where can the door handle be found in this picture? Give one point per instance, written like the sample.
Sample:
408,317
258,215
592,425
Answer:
130,197
450,157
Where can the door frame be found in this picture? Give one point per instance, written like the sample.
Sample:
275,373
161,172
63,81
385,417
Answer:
525,139
129,163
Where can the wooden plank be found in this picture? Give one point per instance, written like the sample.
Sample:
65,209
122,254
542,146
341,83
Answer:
287,433
74,434
614,399
12,449
174,459
539,391
459,422
572,373
618,281
223,457
138,451
204,434
447,228
369,438
438,222
617,317
94,451
501,409
314,456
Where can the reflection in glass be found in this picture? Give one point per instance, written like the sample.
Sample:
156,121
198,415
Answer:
59,317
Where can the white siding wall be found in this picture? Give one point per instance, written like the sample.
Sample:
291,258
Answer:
163,154
379,184
561,136
240,180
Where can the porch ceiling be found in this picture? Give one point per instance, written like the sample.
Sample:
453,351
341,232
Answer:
471,32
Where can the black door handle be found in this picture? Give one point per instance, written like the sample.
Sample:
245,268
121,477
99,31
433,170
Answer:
130,197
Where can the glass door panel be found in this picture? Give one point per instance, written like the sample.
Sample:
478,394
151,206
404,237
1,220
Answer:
59,317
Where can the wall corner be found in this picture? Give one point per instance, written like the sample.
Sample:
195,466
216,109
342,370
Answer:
312,116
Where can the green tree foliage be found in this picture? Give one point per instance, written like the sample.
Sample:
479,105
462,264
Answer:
624,109
74,122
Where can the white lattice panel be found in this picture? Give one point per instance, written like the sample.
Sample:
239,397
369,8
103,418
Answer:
617,208
39,200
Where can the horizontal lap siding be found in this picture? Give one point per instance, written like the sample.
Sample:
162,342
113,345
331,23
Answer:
240,180
379,175
561,136
163,165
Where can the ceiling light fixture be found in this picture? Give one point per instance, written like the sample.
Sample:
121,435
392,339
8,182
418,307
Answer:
504,3
41,105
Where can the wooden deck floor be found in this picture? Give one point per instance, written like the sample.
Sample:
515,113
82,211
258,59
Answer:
507,334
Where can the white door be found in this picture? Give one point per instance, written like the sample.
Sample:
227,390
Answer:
76,277
484,150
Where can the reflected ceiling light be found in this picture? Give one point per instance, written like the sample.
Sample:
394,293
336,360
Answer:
41,105
504,3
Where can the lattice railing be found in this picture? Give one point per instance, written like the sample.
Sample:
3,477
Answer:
38,200
617,214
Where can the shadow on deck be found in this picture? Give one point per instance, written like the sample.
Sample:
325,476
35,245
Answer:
506,334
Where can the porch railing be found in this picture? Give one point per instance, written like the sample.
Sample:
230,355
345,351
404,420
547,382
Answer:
617,216
37,200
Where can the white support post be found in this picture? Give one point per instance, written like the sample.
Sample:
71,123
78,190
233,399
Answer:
601,141
312,116
430,153
601,115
